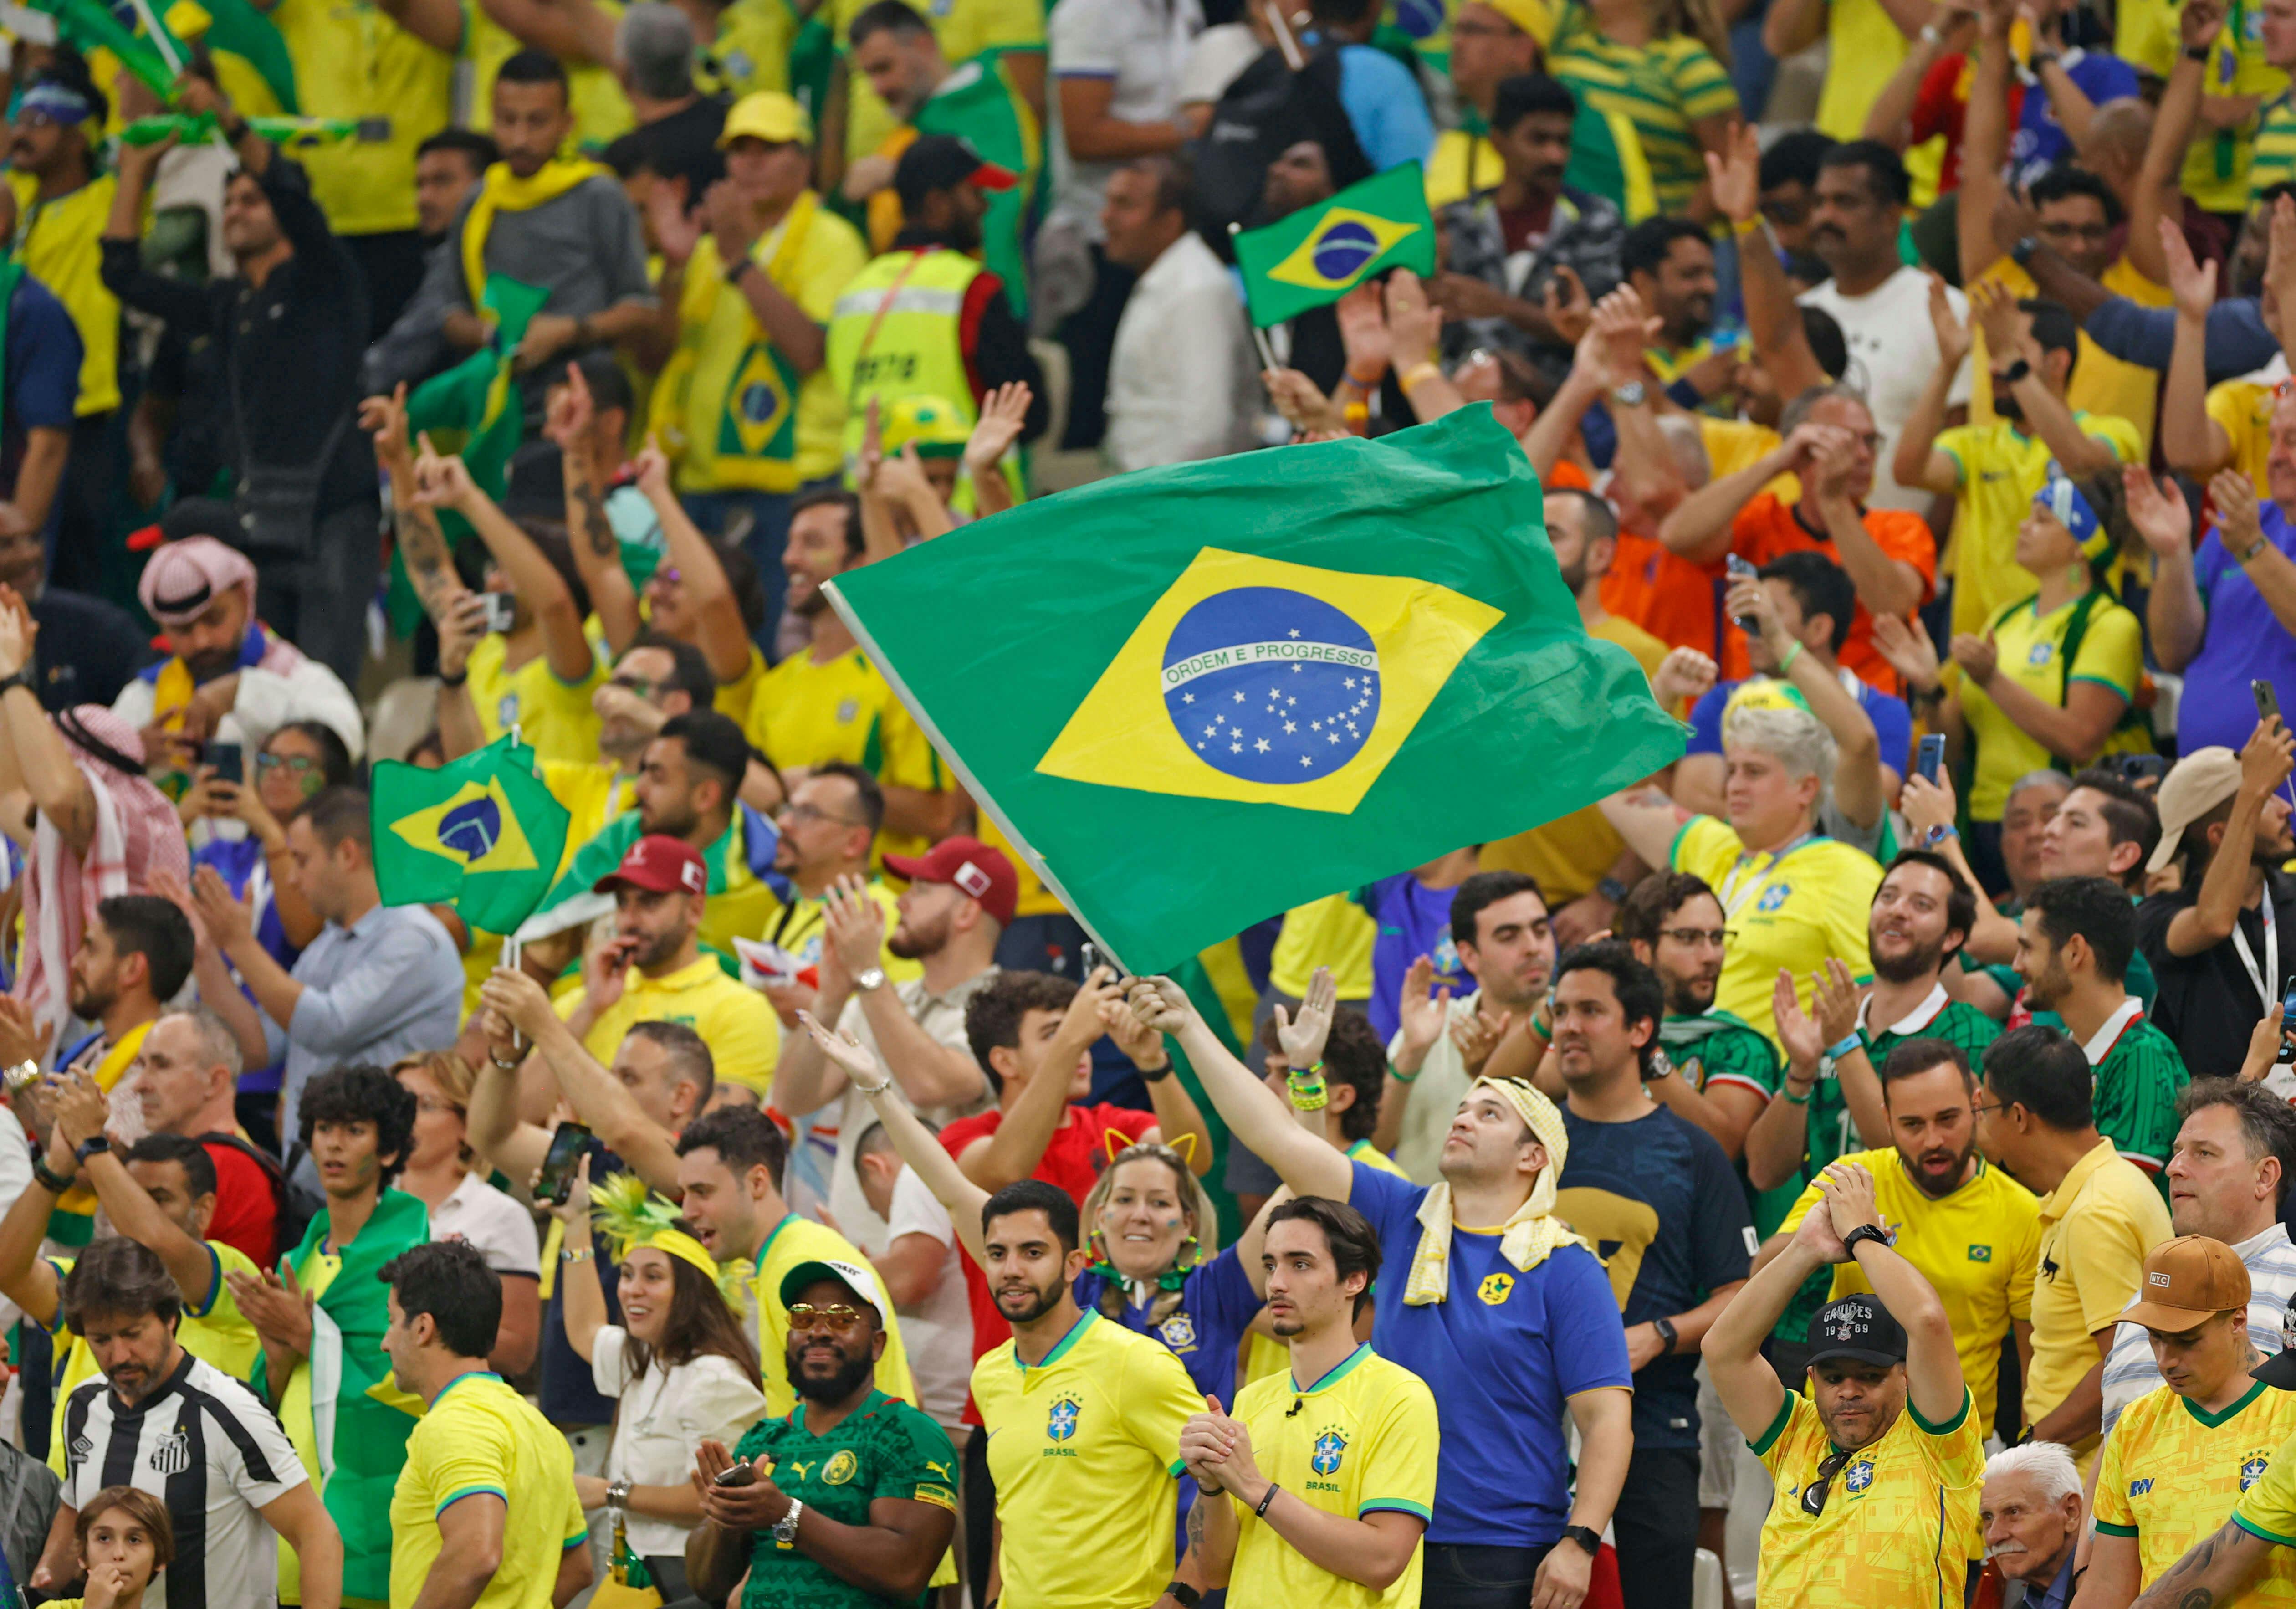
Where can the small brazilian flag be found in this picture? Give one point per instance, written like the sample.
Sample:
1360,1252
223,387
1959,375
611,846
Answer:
1219,690
1319,254
480,832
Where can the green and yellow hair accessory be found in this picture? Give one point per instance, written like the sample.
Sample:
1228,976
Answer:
631,1217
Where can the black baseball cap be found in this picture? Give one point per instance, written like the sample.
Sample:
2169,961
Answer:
942,162
1858,1328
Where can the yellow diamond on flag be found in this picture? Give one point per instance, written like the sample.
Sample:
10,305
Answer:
1266,682
477,827
1343,245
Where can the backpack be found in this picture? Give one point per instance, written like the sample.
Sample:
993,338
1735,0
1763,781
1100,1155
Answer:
294,1205
1268,110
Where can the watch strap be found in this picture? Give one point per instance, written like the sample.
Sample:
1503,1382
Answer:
1586,1536
1667,1333
1182,1594
1862,1233
22,678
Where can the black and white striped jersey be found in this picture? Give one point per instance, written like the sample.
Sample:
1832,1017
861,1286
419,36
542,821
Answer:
205,1446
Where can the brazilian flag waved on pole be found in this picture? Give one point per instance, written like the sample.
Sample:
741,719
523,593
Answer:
1212,692
480,832
1320,253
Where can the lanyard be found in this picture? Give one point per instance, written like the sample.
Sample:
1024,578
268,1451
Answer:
1733,902
2268,982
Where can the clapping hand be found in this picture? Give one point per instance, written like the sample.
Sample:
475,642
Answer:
1905,644
1953,339
2158,510
1477,1036
278,1307
1848,1190
231,921
1804,1041
857,1060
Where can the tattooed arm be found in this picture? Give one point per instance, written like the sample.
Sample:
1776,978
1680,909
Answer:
2214,1573
573,423
429,569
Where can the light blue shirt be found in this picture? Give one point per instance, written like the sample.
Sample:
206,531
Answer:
1384,107
388,986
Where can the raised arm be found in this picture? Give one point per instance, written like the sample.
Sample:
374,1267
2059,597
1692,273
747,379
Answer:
1649,822
1933,1382
2047,411
598,551
44,761
1917,462
2173,610
585,1297
26,1277
598,1098
1013,1152
2192,443
1984,144
443,482
1859,788
725,638
2240,529
1699,528
1773,316
916,1145
2264,761
1255,1114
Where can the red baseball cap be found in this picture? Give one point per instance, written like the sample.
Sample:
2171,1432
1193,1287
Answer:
660,865
972,867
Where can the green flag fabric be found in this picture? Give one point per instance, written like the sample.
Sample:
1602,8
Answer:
480,832
1217,690
1320,253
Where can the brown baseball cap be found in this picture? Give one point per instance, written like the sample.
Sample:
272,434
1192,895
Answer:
2188,1281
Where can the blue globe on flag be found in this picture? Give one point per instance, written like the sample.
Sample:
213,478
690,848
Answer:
1343,249
471,830
1270,684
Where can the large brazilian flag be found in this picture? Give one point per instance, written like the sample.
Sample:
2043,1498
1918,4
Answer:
1208,692
1320,253
481,833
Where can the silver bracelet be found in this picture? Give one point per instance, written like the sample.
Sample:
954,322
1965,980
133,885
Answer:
876,1089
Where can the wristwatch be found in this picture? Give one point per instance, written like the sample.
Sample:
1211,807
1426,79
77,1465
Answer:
2196,53
1861,1234
785,1528
91,1146
2015,372
1614,891
1630,395
873,979
1155,1075
617,1495
1586,1536
22,678
1668,1338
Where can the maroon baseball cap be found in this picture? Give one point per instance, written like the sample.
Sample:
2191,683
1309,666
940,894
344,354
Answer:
972,867
660,865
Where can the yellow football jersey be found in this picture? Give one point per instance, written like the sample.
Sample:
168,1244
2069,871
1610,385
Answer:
808,714
1360,1440
2172,1472
1978,1248
1090,1435
1897,1517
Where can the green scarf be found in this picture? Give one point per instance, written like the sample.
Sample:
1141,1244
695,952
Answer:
359,1421
1674,1032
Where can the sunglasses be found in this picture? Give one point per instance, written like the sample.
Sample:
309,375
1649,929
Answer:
804,1315
1814,1495
300,764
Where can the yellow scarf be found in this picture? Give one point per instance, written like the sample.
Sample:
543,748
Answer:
1530,1234
502,191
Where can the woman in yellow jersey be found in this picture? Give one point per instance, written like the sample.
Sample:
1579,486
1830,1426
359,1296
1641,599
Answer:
125,1540
2053,679
1792,899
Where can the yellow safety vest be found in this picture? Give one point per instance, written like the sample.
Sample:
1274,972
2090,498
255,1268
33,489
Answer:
898,332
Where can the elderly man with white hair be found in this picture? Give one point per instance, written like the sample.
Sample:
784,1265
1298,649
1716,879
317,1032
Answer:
1796,903
2030,1507
228,675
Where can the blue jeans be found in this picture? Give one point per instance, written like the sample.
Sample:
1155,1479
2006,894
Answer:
768,534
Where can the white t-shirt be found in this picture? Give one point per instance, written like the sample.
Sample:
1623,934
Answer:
665,1414
1216,60
938,1331
1139,46
199,1419
1893,351
497,1225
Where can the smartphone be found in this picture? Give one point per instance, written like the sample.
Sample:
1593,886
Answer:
1929,757
1087,957
2141,769
740,1475
1742,571
225,757
2267,704
502,610
570,1142
2287,1024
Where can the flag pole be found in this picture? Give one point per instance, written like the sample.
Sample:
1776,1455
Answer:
1258,335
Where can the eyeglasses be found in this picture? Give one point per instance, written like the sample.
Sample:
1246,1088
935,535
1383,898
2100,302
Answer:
1691,938
302,765
806,812
804,1315
1979,1108
1814,1495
